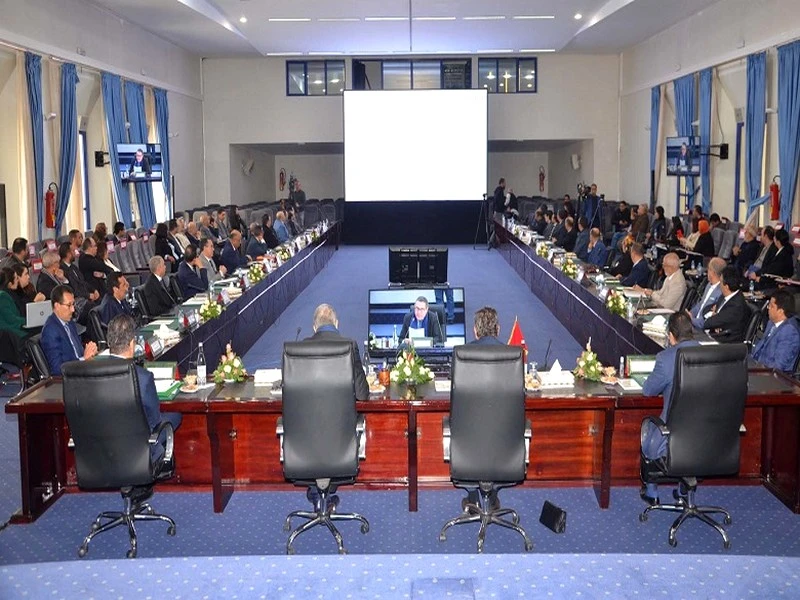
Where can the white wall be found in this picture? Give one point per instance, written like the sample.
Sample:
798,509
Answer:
259,183
521,171
321,175
564,179
245,102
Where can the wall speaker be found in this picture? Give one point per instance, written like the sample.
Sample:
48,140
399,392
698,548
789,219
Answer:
576,162
99,158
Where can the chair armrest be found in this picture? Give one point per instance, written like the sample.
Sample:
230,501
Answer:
361,436
279,433
528,436
660,425
169,446
446,438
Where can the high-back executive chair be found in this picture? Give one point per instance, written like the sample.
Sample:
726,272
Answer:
702,429
486,436
322,437
114,447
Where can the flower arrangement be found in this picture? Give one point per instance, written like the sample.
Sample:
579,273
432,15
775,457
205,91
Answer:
410,369
588,365
283,253
372,341
617,303
210,309
543,250
569,268
230,367
256,273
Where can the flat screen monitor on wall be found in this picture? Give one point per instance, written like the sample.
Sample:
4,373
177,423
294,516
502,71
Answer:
683,156
139,162
408,145
413,266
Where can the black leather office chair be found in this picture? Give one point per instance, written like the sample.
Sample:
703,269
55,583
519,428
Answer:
755,325
322,436
41,368
702,430
486,436
689,298
175,289
141,303
113,442
96,330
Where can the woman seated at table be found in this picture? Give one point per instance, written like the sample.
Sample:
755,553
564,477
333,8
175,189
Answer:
781,264
676,235
10,318
15,279
102,256
623,264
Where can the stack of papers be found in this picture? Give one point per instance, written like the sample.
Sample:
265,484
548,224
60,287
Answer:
266,376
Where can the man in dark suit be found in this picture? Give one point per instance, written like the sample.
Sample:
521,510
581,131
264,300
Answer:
114,302
659,382
51,275
582,241
192,277
256,245
86,297
60,340
640,272
326,327
731,312
768,250
486,328
747,252
597,252
230,256
711,293
140,165
781,342
157,296
93,269
425,323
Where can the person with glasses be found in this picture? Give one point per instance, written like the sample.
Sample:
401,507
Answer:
60,340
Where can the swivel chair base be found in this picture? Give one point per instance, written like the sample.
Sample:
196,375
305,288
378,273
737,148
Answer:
685,505
134,510
484,514
324,514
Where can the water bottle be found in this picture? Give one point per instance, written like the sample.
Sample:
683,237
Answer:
622,366
367,365
394,337
201,365
752,286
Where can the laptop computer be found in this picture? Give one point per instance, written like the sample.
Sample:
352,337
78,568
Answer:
36,313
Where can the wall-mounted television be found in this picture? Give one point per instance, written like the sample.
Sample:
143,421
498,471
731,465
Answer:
683,156
414,266
139,162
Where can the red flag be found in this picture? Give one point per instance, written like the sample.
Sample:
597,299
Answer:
517,339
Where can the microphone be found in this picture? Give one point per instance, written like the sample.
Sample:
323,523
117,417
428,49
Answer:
297,335
547,354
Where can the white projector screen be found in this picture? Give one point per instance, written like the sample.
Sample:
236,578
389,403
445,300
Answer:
415,145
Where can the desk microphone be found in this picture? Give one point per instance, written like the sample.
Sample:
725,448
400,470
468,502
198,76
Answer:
297,335
547,354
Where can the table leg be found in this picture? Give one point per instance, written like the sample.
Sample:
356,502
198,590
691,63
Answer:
413,477
222,436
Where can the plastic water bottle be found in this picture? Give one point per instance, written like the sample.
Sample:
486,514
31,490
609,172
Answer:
394,337
367,365
752,286
201,365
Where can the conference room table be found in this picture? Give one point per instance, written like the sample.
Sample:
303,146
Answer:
584,436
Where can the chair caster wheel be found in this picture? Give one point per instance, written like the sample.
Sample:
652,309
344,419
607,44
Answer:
290,551
515,520
726,544
673,542
642,517
727,520
364,528
528,546
442,537
82,551
342,551
171,530
131,554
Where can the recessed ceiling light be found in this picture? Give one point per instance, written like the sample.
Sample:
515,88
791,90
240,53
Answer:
507,75
530,85
242,19
485,18
335,80
529,76
532,17
578,16
317,82
434,19
288,20
386,18
490,76
339,20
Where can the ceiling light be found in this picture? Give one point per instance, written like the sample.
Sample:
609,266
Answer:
485,18
578,16
317,82
288,20
340,20
386,18
495,51
529,76
242,19
434,19
335,80
538,50
284,53
507,75
532,17
530,85
324,52
341,89
490,76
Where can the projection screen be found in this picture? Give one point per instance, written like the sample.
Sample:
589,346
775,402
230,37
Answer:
415,145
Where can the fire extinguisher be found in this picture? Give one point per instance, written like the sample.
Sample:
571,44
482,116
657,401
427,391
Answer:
775,193
541,178
50,205
282,179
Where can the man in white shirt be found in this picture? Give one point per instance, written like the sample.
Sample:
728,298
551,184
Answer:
672,292
702,309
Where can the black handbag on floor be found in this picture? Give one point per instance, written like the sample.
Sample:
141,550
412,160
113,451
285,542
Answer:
553,517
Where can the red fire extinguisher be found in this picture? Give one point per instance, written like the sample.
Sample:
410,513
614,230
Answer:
775,193
50,205
541,178
282,179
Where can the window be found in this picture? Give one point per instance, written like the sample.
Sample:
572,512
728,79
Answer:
508,75
315,78
423,74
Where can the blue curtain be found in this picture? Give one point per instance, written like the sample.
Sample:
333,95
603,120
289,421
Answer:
33,75
788,125
655,108
684,115
111,87
754,127
137,134
162,126
69,140
705,137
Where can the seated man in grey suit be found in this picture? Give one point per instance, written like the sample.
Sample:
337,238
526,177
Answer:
702,308
486,327
674,289
214,271
424,322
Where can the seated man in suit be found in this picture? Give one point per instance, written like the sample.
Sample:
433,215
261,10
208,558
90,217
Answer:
192,277
157,296
640,271
51,274
702,308
582,241
659,382
674,289
731,313
747,252
781,342
230,256
93,269
256,245
213,271
114,302
423,322
567,236
60,340
486,328
192,235
597,252
280,227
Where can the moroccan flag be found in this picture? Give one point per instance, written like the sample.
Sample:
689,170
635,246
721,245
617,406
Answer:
517,339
